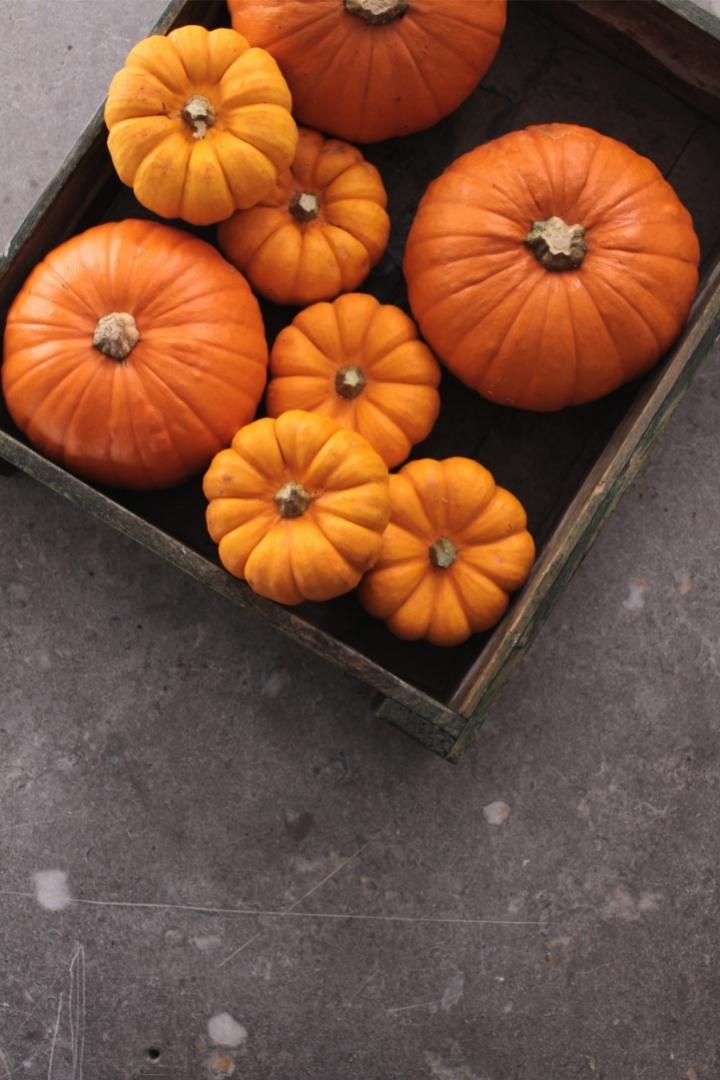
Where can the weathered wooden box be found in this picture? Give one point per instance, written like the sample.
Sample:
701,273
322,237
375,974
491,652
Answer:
644,71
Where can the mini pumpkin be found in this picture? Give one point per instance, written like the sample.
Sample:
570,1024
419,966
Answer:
321,230
199,124
456,546
133,352
370,69
297,506
550,266
361,363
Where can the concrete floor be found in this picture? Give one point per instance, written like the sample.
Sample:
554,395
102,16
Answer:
169,767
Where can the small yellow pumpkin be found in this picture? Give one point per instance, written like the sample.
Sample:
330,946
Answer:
321,230
360,362
298,506
200,124
456,546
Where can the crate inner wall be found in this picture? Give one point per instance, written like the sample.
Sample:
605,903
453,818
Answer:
543,73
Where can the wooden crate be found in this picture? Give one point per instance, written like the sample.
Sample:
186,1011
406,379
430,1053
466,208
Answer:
644,71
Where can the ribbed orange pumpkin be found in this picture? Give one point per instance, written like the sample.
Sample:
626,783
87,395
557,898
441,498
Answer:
551,265
370,69
298,506
456,546
199,124
133,353
361,363
321,230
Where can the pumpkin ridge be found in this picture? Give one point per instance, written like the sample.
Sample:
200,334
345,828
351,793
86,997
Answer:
150,338
317,522
331,239
363,98
590,166
422,76
123,378
599,247
549,287
69,375
299,31
606,328
641,316
368,405
48,358
318,90
223,171
454,586
386,402
496,302
521,297
453,17
68,288
609,210
76,408
142,361
166,426
417,35
540,146
369,362
411,590
573,336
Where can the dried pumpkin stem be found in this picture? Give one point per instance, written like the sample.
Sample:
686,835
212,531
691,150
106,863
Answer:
350,382
377,12
443,553
116,335
556,245
198,114
304,206
292,500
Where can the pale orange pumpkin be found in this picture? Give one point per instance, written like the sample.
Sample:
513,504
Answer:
199,124
361,363
321,230
298,506
455,548
549,266
132,354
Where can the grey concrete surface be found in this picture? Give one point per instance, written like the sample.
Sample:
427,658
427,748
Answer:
215,861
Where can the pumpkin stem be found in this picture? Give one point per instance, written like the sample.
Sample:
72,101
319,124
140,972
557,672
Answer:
116,335
198,114
556,245
304,206
292,500
377,12
443,553
350,381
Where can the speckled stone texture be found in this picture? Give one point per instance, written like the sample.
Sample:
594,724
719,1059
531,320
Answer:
169,767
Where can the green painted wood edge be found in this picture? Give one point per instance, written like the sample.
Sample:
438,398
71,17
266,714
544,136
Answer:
706,20
580,539
429,714
438,739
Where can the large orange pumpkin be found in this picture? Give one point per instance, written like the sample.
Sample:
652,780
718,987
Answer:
133,352
199,124
319,232
456,546
370,69
551,265
298,506
361,363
